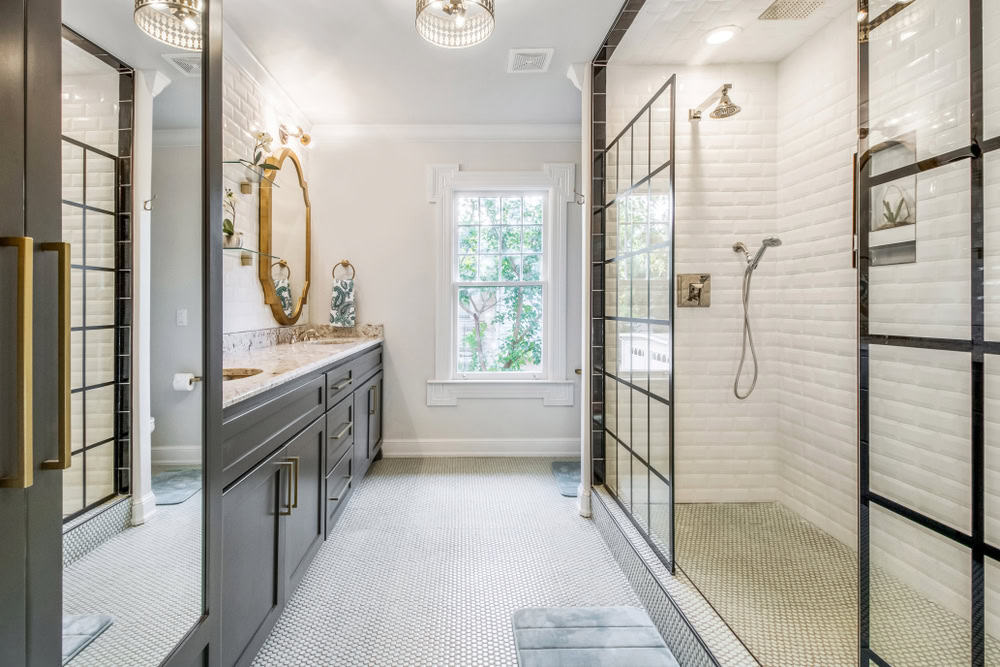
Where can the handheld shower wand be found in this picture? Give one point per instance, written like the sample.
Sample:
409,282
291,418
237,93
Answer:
752,262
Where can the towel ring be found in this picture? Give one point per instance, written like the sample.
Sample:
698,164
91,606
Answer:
344,263
283,264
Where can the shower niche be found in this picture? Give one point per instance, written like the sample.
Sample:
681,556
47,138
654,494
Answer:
892,233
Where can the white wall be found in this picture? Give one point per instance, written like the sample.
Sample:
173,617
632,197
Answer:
175,284
252,102
725,449
370,206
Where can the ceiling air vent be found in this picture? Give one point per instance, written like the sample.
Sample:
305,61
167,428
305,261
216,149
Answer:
529,61
188,64
790,10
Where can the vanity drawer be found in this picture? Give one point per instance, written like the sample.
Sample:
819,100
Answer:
339,432
253,434
366,364
339,383
338,486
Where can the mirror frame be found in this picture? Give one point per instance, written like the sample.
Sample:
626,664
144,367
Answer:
263,265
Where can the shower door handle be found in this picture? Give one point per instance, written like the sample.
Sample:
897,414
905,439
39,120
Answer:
65,423
25,245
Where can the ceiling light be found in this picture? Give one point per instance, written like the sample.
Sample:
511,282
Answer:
722,34
455,24
173,22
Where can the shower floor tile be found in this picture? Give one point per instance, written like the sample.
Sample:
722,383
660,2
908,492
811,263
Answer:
432,557
789,591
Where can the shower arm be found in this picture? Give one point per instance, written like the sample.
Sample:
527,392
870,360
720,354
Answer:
695,114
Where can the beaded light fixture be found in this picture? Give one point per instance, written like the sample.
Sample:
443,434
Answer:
173,22
455,24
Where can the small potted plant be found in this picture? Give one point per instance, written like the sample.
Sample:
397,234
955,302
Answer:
261,149
231,238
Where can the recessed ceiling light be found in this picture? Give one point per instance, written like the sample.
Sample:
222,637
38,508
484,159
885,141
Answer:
722,34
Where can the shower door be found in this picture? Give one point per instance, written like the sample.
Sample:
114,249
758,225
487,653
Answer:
632,311
928,220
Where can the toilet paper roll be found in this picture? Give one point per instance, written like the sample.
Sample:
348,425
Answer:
183,381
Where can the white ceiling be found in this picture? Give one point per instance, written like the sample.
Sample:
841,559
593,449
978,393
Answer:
673,31
362,62
109,24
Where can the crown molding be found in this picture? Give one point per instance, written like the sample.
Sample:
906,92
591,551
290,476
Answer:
507,132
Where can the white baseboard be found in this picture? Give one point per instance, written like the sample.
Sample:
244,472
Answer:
177,456
524,447
143,508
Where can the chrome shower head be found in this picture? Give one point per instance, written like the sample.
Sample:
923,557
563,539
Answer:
726,108
769,242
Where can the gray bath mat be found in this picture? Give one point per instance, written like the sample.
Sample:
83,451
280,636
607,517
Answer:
173,487
589,637
567,474
78,630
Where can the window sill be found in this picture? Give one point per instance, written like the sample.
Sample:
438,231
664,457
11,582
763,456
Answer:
552,392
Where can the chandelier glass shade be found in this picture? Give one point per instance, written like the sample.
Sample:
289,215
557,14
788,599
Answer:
173,22
455,24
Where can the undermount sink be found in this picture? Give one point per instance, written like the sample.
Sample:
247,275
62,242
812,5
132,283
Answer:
334,341
239,373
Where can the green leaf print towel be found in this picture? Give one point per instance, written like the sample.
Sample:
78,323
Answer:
342,304
284,292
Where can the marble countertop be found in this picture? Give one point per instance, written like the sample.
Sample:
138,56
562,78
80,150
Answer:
281,363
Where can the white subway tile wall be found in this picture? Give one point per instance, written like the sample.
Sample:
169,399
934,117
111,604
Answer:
90,115
783,166
248,109
726,449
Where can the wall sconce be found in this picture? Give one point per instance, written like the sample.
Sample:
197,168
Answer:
284,134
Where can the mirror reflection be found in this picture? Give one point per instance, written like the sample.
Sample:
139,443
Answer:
131,202
284,235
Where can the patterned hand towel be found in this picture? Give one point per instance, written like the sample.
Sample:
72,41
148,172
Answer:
284,292
342,304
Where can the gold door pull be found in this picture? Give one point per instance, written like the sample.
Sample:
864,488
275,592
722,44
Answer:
288,501
65,418
25,245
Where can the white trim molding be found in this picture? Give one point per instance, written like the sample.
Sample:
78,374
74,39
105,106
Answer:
445,133
554,387
492,447
447,392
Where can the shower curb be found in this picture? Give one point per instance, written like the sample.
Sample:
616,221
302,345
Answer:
692,629
95,527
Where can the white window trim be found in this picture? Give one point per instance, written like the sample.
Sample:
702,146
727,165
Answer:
558,181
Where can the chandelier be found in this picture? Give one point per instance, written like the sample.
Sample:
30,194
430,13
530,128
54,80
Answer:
455,24
173,22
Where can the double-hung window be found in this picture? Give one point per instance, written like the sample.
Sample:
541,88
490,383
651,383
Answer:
501,286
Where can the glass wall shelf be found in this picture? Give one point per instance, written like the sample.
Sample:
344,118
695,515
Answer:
242,171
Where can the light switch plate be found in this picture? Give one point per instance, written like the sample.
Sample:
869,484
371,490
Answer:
182,317
694,290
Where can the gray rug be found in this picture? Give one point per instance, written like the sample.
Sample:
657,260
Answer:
172,487
78,630
567,474
589,637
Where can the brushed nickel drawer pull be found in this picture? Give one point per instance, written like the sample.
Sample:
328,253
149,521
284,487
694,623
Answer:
295,470
342,384
349,479
344,431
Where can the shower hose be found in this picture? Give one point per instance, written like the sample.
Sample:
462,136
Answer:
747,339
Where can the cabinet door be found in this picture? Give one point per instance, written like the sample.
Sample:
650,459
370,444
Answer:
361,454
374,414
253,570
304,526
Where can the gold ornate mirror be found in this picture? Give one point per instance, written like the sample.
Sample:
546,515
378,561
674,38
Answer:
285,231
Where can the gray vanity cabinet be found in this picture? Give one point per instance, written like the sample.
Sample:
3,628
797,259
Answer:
253,572
304,525
324,430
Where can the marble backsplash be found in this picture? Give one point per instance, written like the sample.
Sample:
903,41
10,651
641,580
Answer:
240,341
